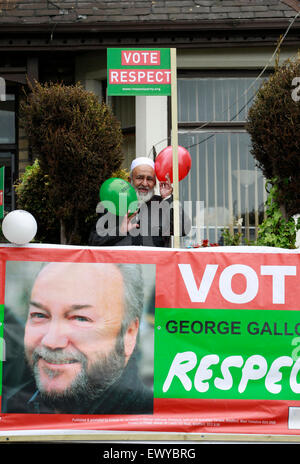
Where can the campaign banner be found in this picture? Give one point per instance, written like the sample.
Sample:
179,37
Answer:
138,339
138,71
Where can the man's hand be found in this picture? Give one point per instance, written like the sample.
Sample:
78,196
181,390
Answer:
165,187
127,225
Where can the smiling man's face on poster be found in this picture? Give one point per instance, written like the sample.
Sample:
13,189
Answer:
73,329
81,333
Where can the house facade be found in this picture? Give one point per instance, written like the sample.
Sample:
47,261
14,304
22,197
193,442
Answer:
225,48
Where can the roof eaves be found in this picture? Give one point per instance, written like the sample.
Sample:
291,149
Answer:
146,26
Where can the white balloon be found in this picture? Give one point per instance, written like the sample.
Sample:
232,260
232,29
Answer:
19,227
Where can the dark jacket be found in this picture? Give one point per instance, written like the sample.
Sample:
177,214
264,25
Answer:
127,395
155,220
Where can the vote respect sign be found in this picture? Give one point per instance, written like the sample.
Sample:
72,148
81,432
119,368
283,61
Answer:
138,71
242,355
216,348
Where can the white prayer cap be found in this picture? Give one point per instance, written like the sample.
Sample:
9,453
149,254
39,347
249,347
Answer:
140,160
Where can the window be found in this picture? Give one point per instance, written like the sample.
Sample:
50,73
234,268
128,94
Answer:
224,180
124,110
7,120
8,146
7,159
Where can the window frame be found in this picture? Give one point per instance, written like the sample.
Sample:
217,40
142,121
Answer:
13,147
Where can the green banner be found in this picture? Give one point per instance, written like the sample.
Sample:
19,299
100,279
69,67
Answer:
230,354
2,192
2,344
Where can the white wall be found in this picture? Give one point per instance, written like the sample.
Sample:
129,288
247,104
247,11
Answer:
151,124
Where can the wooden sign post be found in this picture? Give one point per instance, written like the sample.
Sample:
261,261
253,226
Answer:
174,140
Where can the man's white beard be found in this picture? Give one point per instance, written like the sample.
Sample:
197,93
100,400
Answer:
144,197
89,383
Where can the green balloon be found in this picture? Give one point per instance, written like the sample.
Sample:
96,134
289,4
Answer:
118,196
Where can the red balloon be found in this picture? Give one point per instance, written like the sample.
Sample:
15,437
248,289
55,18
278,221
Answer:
164,163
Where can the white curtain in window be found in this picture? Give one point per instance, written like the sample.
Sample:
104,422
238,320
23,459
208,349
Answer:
219,99
225,182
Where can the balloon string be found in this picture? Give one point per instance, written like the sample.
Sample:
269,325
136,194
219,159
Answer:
213,135
203,125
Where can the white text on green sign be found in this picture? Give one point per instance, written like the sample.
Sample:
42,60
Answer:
139,72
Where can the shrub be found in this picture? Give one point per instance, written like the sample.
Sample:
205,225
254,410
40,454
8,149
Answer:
32,191
275,230
78,143
274,126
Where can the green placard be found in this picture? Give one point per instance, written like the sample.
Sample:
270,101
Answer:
2,345
2,192
138,71
227,354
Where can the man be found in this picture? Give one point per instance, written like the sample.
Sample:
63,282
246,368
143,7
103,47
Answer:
80,339
152,224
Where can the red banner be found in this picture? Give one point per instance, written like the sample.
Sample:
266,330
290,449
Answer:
142,339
